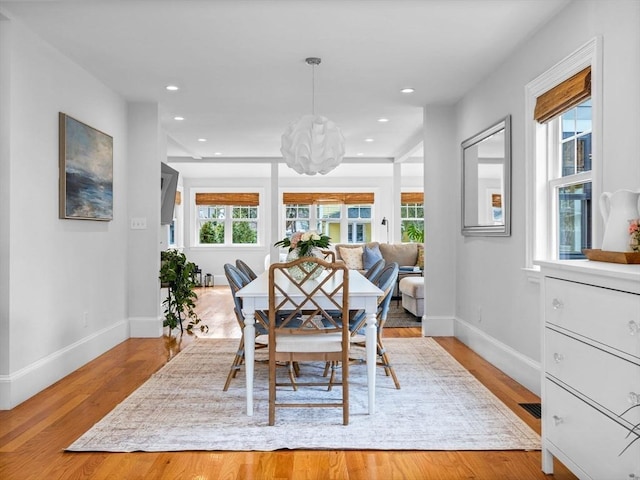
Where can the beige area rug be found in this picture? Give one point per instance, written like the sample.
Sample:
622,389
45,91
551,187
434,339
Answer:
399,317
182,407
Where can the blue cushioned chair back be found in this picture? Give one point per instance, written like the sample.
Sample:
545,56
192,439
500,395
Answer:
386,282
237,279
375,269
246,269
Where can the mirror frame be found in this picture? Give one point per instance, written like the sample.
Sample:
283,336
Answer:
503,230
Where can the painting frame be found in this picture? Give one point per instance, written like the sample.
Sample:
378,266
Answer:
85,171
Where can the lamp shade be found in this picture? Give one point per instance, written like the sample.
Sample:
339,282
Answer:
313,144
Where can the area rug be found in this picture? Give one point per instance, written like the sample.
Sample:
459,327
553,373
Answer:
441,406
398,317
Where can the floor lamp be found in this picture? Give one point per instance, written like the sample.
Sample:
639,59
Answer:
385,222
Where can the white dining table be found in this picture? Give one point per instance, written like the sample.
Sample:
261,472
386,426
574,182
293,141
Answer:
363,295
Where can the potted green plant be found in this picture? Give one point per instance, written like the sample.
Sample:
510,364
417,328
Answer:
176,274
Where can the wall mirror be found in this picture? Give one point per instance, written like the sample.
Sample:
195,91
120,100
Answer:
486,181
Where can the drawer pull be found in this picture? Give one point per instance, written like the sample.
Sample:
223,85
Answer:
557,420
634,327
557,304
558,357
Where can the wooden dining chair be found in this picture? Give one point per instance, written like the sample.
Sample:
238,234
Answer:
329,255
309,330
237,279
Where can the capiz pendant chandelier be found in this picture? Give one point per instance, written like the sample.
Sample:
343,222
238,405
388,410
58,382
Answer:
314,144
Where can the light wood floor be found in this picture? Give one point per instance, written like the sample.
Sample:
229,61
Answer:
34,434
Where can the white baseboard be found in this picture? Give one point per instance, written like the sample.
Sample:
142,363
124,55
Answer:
437,326
521,368
145,327
17,387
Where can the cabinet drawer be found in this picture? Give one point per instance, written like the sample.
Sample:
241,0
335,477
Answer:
610,381
607,316
587,437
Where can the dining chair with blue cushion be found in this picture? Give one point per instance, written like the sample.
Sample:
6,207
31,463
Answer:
385,281
237,279
246,269
372,273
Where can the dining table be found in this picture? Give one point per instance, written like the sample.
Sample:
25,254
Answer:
363,295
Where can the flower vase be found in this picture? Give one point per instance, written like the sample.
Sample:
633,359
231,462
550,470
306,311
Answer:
618,209
300,271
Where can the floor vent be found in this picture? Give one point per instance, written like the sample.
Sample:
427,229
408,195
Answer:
534,409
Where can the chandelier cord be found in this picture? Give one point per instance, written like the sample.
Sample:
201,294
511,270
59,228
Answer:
313,89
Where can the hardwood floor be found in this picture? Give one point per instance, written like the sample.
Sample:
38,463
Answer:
34,434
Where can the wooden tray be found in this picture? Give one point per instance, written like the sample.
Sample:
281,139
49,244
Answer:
612,257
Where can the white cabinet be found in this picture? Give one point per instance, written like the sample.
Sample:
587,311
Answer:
591,368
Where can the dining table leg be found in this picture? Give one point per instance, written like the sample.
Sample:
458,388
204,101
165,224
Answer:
249,355
371,346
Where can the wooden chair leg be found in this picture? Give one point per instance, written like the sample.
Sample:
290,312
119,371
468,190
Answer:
388,369
235,365
333,374
292,376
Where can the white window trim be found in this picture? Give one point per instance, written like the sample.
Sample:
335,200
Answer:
537,201
195,231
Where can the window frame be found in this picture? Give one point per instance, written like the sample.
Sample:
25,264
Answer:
406,220
538,200
556,180
229,218
344,221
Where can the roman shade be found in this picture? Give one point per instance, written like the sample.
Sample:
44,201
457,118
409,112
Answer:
563,96
243,199
412,197
320,198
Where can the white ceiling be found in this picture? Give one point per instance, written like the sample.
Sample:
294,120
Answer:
241,70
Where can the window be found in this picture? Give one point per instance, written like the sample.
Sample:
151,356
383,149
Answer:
412,216
297,219
345,217
328,219
570,181
563,139
359,223
227,218
174,232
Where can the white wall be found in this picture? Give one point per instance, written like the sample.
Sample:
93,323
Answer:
57,269
497,306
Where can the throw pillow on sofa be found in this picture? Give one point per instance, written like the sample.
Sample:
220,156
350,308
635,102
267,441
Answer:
352,257
420,262
370,256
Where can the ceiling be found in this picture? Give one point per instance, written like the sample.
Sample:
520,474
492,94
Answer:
240,64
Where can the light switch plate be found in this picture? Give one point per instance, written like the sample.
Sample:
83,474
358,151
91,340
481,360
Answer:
138,223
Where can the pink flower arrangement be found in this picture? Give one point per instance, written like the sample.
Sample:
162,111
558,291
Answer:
304,242
634,233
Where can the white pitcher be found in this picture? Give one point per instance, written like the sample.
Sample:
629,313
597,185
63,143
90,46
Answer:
618,208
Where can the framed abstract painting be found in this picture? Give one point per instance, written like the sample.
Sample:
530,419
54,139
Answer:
86,171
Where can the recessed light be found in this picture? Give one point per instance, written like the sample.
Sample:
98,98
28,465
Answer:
359,154
368,140
217,154
202,139
178,118
172,88
408,90
383,120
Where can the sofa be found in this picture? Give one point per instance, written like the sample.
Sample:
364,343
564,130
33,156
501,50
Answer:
361,256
